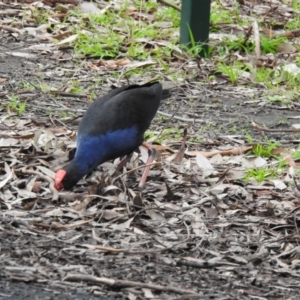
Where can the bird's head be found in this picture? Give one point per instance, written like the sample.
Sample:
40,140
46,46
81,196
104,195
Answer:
67,177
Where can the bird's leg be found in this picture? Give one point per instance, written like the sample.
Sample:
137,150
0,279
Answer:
123,162
152,153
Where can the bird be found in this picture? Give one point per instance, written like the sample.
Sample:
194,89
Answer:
113,126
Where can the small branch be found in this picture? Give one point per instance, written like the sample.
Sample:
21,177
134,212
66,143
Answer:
130,252
169,4
201,263
20,222
256,38
135,169
273,130
10,29
127,283
62,227
65,94
180,118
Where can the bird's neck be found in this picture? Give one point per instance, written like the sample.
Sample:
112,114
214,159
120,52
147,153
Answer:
91,151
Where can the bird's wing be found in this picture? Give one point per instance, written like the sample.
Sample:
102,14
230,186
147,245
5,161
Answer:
127,107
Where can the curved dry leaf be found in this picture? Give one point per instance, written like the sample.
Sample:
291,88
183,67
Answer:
122,226
260,162
279,184
21,54
89,8
69,39
83,204
109,214
9,174
25,193
56,212
234,151
8,142
205,165
46,171
155,216
110,188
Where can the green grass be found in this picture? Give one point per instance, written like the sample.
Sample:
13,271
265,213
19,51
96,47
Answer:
26,86
168,134
296,5
265,150
265,173
265,75
229,16
292,24
296,155
269,45
16,105
238,44
76,88
233,71
259,174
151,32
135,39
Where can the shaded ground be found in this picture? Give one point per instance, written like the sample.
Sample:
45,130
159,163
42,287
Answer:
21,290
195,239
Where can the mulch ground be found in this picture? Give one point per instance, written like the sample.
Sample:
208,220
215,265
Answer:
192,233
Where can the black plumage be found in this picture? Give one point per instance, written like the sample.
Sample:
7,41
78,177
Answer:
113,126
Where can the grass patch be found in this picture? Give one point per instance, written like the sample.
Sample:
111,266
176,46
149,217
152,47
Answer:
131,38
16,105
265,150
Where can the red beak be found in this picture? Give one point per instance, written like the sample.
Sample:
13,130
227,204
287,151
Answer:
59,177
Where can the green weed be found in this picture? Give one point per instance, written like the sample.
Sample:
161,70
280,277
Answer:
249,138
233,71
269,45
265,150
258,174
266,76
262,174
16,105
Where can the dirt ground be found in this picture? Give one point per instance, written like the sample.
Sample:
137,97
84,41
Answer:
175,240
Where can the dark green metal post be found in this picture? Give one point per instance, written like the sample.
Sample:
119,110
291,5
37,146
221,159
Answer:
195,16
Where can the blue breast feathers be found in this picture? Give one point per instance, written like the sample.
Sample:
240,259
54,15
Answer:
94,150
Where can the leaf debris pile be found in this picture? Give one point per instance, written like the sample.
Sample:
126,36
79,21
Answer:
203,221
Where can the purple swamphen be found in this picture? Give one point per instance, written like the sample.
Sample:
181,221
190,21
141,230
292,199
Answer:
113,126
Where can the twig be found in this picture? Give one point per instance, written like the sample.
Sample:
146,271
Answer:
65,94
180,118
273,130
201,263
20,222
169,4
73,119
126,283
135,169
58,108
295,222
62,227
130,252
257,38
10,29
